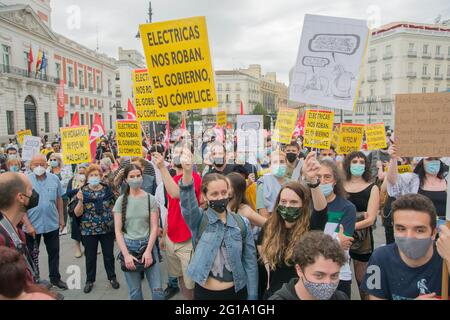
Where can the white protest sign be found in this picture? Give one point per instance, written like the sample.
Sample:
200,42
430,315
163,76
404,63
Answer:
30,147
249,132
329,59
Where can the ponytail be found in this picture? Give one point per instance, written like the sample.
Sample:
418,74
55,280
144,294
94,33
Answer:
124,207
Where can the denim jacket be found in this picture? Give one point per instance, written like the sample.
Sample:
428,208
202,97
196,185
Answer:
242,256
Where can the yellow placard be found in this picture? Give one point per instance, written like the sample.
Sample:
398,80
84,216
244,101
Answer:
143,98
286,120
335,138
179,64
75,145
221,119
350,138
318,129
376,136
129,141
401,169
23,133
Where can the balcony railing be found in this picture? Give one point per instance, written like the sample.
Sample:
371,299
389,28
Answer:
118,94
387,76
15,71
448,77
371,78
438,77
81,87
439,56
91,89
426,55
372,59
386,98
411,74
71,84
387,55
371,99
412,54
426,76
99,90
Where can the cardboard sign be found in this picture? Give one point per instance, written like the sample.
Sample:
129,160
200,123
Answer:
221,119
23,133
329,60
318,129
286,120
376,136
129,141
31,146
179,63
143,98
401,169
350,138
75,145
249,133
422,125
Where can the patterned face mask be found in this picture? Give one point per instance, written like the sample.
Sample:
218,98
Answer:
320,291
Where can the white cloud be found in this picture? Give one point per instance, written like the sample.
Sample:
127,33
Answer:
241,32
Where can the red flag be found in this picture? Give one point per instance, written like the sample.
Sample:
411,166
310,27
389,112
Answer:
167,134
61,100
242,109
183,123
131,111
75,120
30,59
98,130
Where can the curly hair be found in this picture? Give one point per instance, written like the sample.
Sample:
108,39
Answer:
314,244
348,161
278,241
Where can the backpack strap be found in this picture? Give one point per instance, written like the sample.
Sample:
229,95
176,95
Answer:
201,228
241,224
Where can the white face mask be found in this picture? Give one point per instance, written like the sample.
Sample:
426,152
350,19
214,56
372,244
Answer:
39,171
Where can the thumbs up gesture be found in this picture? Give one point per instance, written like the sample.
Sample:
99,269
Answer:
344,241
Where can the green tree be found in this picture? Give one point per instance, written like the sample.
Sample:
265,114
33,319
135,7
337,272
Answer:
175,119
260,110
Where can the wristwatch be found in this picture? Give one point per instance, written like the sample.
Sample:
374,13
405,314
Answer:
313,185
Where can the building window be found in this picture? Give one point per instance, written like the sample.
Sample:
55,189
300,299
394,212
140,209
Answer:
438,50
411,67
110,122
10,122
90,80
80,79
238,87
411,46
437,70
372,91
47,121
436,89
227,98
219,87
238,98
424,89
6,52
61,122
228,87
82,119
448,70
388,68
91,119
98,83
388,49
425,48
388,90
373,70
410,87
58,70
109,85
425,69
219,97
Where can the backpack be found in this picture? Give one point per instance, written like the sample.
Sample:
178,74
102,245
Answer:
204,222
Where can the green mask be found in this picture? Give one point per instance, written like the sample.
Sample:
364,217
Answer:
289,214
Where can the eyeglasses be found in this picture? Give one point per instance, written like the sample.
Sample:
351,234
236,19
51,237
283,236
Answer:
326,177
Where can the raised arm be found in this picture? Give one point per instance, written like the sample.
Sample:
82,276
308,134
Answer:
392,174
311,169
170,185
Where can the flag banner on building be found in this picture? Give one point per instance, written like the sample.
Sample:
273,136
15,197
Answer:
286,120
249,133
23,133
318,129
144,101
30,60
31,146
60,98
422,124
131,114
38,60
329,60
75,145
376,136
97,131
221,120
350,138
129,141
179,64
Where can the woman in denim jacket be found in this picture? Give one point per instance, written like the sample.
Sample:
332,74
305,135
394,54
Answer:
224,264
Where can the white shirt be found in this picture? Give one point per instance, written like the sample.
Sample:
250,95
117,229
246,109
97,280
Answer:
159,197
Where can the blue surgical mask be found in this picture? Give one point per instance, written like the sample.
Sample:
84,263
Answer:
328,158
14,169
94,181
433,167
135,183
54,163
279,171
357,170
326,189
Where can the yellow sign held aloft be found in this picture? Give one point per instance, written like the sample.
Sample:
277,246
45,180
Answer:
286,120
350,138
318,129
23,133
376,136
129,139
143,98
179,64
75,145
221,119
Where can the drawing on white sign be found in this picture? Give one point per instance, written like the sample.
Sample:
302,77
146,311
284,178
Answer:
328,62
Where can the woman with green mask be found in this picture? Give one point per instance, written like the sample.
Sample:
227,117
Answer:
292,217
365,195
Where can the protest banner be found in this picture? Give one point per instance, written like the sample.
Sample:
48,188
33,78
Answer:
143,98
23,133
318,129
376,136
179,64
221,119
422,124
329,59
249,133
75,145
285,125
31,146
129,139
401,169
350,138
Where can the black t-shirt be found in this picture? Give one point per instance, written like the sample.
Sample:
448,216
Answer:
388,277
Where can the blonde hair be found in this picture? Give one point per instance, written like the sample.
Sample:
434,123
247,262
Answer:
58,158
12,162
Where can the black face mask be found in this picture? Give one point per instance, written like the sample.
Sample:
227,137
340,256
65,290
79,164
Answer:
219,162
291,157
177,162
219,205
33,200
